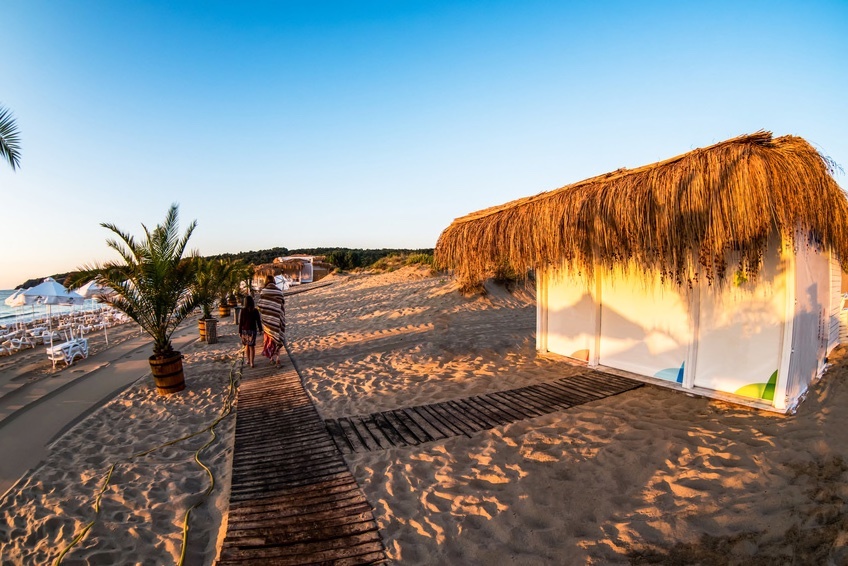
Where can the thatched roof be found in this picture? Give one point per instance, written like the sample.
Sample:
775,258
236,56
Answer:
679,216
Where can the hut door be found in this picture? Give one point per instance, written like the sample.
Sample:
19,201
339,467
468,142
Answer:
740,331
811,325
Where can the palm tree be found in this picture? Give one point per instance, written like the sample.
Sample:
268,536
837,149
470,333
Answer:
152,284
239,271
212,279
10,148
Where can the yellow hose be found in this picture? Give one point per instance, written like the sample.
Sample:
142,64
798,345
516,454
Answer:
225,412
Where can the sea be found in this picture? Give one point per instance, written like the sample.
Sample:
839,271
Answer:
11,315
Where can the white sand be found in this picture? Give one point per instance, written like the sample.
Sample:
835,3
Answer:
144,506
649,476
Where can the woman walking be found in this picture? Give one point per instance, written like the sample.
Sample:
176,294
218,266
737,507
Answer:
250,322
271,306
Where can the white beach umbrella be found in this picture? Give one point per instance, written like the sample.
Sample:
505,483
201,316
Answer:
16,299
50,292
94,291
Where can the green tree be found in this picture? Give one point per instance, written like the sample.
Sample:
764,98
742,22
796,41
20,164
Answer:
10,143
210,280
152,281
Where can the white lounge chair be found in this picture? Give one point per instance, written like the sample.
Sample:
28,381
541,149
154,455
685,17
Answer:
68,352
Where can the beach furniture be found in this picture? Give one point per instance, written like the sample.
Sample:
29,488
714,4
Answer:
715,272
21,343
68,352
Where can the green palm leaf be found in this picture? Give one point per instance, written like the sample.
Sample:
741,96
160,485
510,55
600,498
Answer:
10,142
152,282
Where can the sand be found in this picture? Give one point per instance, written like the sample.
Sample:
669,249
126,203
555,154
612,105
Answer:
144,505
651,476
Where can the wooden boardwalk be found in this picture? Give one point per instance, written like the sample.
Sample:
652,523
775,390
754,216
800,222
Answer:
428,423
293,499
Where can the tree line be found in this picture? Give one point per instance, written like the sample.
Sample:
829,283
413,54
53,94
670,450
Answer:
343,258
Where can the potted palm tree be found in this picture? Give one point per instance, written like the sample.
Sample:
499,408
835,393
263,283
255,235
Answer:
204,289
236,272
152,285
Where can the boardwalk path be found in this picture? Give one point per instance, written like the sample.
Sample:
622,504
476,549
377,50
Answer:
427,423
293,499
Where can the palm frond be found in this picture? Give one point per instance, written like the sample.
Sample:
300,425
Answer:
151,284
10,140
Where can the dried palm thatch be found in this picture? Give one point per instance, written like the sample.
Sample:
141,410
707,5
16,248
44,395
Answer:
680,217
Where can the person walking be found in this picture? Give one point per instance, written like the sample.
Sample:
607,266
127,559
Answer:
250,323
271,306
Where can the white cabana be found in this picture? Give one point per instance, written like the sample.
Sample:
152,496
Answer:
715,272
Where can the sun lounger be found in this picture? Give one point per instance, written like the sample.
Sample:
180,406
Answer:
68,352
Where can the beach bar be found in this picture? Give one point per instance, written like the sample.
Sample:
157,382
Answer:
715,272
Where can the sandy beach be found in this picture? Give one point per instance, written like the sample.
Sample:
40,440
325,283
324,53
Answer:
651,476
144,505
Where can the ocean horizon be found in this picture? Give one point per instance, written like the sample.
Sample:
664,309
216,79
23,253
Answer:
11,315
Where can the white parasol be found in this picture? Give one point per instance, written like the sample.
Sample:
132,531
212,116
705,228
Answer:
50,292
95,291
15,299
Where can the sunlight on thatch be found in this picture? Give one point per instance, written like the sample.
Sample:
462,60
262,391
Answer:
679,217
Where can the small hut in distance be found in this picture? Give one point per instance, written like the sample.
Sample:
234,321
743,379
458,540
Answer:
295,269
715,272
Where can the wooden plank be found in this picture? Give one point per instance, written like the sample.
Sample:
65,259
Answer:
420,433
371,428
353,435
402,428
576,389
388,430
268,478
553,402
578,395
516,404
534,402
598,384
506,409
495,414
456,418
281,512
484,421
435,431
317,495
339,436
562,398
307,552
437,419
302,526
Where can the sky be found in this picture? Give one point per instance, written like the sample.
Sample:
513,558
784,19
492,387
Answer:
375,124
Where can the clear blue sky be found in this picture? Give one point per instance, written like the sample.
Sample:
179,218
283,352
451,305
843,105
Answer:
375,124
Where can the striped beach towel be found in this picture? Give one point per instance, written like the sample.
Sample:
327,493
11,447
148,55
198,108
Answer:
271,305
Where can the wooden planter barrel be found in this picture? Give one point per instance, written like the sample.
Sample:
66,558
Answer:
211,331
223,310
232,301
168,373
207,327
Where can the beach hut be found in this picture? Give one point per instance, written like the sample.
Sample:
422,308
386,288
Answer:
715,272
